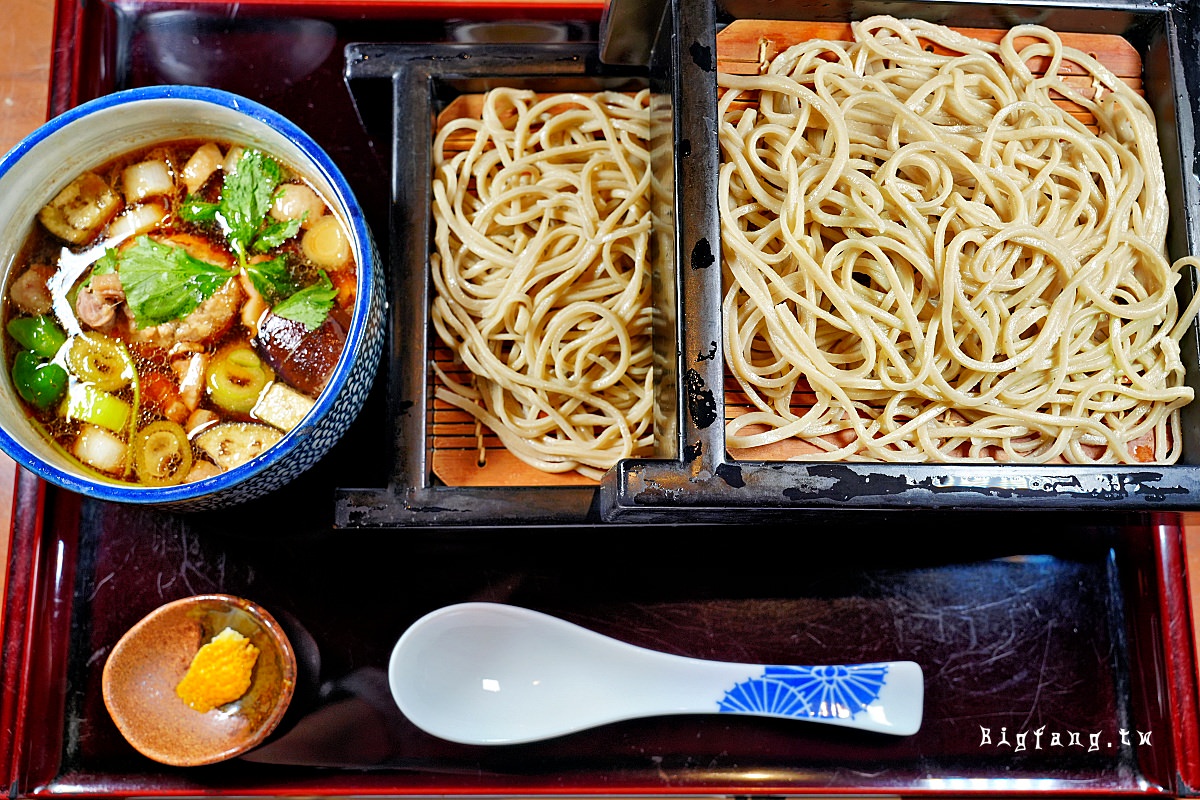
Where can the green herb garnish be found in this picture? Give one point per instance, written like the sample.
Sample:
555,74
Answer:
246,198
168,283
272,279
310,305
197,210
276,233
163,283
242,211
106,263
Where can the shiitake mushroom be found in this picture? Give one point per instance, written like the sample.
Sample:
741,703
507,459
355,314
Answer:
301,357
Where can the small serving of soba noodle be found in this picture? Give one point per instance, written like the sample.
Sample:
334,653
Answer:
542,225
948,263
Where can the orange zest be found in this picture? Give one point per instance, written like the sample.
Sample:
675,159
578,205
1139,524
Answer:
220,672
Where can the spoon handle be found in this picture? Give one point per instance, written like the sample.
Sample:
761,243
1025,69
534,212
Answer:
886,697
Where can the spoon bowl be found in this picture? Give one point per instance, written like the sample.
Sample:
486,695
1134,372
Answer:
488,673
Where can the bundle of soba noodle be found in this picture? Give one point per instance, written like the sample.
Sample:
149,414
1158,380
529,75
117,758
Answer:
542,274
955,266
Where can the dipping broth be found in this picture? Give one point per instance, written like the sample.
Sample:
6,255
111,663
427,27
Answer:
177,310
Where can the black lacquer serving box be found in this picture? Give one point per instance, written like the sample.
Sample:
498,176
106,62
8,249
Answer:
692,475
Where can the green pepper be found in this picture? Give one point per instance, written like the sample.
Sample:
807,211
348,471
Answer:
87,403
40,334
39,382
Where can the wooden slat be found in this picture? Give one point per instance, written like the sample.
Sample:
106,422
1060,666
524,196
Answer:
465,453
755,41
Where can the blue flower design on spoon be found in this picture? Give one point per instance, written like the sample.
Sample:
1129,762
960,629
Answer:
827,691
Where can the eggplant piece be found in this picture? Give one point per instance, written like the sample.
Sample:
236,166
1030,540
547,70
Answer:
301,358
79,211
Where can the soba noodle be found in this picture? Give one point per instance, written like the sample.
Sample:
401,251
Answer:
954,265
541,271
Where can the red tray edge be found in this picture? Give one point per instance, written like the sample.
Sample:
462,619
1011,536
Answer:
1180,652
26,567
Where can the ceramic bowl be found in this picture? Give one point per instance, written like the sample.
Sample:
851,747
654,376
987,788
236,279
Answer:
97,131
146,665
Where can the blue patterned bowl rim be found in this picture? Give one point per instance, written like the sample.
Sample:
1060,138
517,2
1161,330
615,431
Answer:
367,268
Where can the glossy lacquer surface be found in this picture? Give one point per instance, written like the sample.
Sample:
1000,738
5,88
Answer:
1037,655
1051,657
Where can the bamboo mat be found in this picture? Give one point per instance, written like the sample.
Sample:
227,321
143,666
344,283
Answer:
464,451
745,47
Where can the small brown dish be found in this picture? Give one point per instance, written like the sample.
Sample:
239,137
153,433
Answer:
149,661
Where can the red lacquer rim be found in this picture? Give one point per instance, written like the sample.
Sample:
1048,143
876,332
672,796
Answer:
1179,652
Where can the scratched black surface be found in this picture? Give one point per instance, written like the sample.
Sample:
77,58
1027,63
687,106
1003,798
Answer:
1014,638
1019,626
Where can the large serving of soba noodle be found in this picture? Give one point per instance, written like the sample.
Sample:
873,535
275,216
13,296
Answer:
955,266
542,225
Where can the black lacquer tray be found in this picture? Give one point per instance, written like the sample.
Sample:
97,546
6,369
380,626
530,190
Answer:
1050,658
1043,635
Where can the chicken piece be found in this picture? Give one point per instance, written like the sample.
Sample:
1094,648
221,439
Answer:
297,201
190,367
30,292
200,419
211,319
202,469
96,303
254,307
200,167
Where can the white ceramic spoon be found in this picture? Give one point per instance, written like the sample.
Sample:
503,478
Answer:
486,673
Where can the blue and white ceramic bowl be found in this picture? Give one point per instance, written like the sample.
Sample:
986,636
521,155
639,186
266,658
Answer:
102,129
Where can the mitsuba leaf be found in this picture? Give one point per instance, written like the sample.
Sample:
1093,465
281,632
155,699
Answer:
194,209
310,305
276,233
272,279
105,263
163,283
246,197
